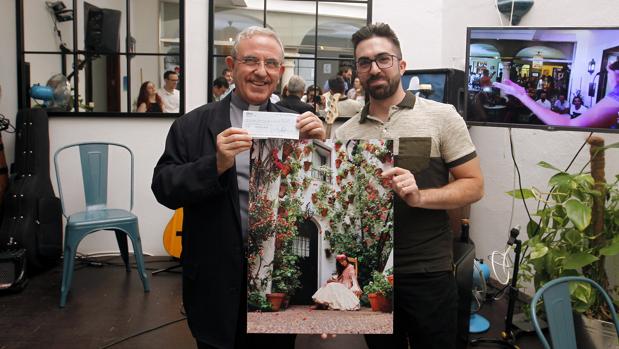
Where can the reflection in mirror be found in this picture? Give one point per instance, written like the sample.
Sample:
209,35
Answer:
50,88
295,22
101,84
153,69
229,21
337,22
48,25
155,26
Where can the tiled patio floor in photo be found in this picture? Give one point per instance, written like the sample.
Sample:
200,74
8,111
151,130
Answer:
302,319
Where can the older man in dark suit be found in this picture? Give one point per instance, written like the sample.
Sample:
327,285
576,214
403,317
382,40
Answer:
205,170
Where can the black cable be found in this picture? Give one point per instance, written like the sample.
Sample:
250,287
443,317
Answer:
144,332
5,124
511,147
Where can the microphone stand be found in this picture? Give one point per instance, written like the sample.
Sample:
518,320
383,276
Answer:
508,336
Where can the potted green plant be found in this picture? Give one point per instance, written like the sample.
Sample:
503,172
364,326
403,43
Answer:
256,301
379,292
576,230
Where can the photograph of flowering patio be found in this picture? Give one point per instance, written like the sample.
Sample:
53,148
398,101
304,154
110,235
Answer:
314,204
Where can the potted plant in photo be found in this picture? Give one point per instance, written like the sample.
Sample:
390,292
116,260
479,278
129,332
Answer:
577,229
256,301
379,292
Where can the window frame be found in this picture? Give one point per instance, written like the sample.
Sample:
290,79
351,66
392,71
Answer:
24,100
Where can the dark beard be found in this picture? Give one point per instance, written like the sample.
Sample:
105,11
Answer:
382,92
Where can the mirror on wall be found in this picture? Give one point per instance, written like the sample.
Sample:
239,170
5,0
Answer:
316,34
101,57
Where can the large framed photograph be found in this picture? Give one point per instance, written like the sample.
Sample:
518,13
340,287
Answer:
320,237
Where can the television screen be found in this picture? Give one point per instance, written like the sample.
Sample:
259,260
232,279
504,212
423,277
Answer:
553,78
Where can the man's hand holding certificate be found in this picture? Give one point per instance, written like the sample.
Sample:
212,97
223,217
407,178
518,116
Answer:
270,125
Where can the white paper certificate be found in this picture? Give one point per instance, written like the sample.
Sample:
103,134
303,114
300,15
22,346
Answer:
261,124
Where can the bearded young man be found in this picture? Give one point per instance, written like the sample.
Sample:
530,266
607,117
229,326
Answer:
432,142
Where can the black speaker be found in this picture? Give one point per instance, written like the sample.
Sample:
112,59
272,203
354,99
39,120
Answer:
101,27
13,270
464,255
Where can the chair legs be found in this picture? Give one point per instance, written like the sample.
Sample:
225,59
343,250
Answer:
121,237
139,258
67,272
72,240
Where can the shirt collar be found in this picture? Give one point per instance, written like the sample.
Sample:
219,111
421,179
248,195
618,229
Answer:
241,104
407,102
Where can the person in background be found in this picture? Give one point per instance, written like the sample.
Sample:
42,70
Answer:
561,105
345,72
227,74
357,92
543,101
433,143
577,107
602,115
148,99
170,96
205,170
296,87
346,107
220,86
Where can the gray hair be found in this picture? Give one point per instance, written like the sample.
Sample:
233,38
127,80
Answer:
252,31
296,85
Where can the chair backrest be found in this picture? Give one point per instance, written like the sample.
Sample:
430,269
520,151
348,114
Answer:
354,262
558,306
94,164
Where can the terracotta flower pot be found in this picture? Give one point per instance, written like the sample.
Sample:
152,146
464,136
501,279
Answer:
314,198
374,302
384,304
338,163
307,165
390,278
324,212
282,190
307,150
276,300
338,146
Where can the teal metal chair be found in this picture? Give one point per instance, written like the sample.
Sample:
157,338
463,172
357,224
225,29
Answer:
96,215
558,307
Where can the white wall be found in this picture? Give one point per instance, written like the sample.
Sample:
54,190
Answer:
490,217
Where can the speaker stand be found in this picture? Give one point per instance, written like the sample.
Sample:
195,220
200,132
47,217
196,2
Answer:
508,335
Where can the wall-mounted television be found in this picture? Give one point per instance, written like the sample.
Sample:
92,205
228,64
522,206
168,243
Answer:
551,78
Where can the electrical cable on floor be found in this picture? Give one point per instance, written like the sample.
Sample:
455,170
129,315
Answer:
144,332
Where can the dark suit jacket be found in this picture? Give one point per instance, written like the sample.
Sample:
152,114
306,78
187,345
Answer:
212,257
294,103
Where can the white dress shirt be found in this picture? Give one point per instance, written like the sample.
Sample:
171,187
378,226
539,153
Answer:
171,100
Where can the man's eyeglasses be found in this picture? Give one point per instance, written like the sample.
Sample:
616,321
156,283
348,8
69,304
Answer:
383,61
254,62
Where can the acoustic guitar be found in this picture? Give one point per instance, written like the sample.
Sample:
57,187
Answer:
172,235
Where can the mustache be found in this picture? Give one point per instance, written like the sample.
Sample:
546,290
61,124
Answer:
375,78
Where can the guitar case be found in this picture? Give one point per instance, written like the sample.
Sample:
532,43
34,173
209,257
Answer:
32,214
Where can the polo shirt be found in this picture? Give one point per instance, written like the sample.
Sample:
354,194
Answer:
430,138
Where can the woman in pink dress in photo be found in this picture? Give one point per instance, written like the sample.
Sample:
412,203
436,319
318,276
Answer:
342,291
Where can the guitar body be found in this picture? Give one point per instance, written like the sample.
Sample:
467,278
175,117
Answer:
172,236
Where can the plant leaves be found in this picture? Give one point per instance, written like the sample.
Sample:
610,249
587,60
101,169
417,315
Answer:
519,194
581,291
539,250
532,229
614,145
578,213
544,164
560,179
579,260
611,249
